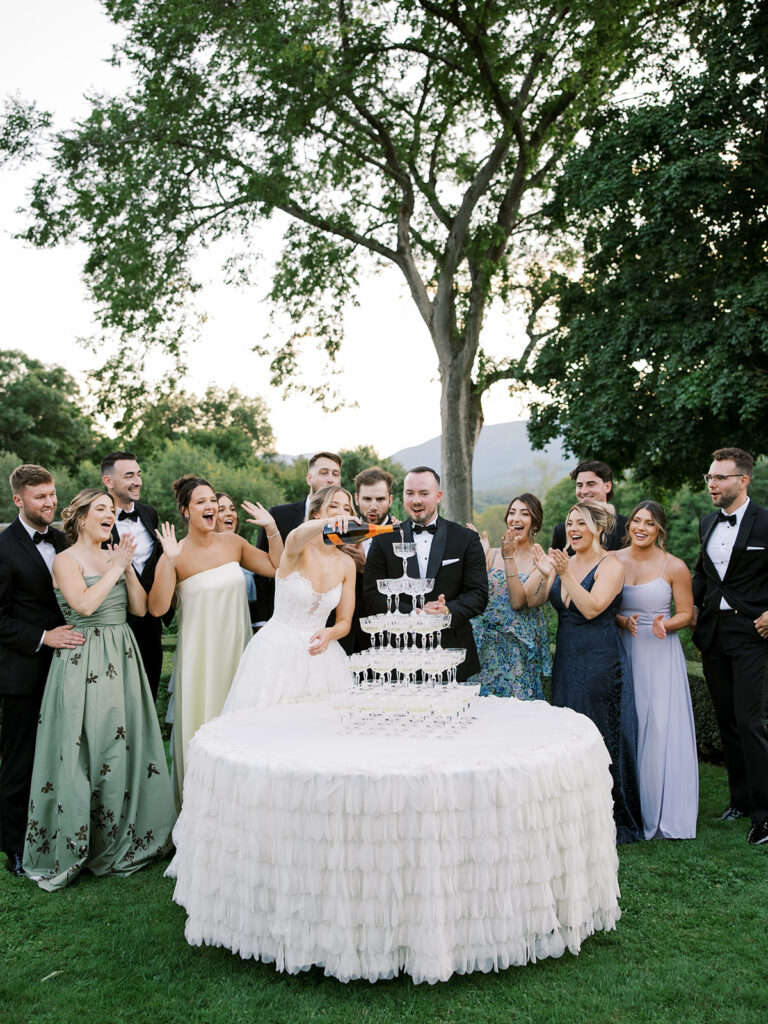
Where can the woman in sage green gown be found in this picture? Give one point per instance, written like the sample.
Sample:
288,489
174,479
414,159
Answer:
101,795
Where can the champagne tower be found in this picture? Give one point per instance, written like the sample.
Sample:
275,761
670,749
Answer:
406,681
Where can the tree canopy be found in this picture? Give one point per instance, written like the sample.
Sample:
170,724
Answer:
423,133
42,415
661,351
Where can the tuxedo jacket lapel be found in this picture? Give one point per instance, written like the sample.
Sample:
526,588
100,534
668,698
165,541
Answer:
745,528
437,549
30,549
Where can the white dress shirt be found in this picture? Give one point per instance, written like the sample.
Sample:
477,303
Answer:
720,545
45,547
423,542
144,540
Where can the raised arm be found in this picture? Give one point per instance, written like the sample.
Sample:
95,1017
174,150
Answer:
256,559
164,586
539,583
298,539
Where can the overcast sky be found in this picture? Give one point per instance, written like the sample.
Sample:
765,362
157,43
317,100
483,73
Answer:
54,52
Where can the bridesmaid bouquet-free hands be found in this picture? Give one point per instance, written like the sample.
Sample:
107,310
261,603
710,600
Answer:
167,537
122,554
259,516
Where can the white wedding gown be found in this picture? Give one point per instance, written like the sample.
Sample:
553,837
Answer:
276,666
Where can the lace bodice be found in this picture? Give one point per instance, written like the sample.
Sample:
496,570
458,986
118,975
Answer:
299,606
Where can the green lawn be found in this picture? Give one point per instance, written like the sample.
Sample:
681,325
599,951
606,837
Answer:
691,946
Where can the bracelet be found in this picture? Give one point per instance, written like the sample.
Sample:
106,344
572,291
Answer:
511,575
508,558
271,535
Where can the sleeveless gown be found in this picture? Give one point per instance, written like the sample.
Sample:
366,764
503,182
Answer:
214,629
512,645
591,674
277,667
101,797
666,752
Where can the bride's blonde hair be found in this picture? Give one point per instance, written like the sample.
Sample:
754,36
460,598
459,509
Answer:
321,498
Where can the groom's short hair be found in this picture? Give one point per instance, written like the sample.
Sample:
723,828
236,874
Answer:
425,469
29,475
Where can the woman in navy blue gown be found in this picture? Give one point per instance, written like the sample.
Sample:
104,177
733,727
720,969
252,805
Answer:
591,672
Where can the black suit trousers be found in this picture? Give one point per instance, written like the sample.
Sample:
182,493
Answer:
18,730
735,668
149,639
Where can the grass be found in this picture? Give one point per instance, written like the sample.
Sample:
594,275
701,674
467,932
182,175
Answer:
691,946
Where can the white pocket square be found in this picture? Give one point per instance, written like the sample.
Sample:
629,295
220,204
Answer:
449,561
755,547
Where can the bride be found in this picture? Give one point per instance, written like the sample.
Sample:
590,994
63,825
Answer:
296,656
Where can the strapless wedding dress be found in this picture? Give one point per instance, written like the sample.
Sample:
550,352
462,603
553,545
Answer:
276,667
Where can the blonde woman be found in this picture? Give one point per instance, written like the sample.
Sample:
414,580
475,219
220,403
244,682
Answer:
591,672
101,797
297,656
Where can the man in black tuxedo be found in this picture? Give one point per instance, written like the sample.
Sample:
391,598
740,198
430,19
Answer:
31,628
447,552
594,482
121,475
730,591
373,498
323,469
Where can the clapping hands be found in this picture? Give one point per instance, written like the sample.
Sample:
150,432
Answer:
122,553
483,537
554,561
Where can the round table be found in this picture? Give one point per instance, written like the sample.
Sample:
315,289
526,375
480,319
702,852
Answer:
368,854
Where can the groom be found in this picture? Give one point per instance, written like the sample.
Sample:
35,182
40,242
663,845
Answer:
447,552
31,629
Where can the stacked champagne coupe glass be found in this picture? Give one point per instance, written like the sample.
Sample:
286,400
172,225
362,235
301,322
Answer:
406,681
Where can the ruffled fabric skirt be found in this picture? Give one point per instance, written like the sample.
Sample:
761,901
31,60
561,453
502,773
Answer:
369,855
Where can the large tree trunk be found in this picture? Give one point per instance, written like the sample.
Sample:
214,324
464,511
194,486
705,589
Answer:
461,417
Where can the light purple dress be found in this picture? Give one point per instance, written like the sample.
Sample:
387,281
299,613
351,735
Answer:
666,750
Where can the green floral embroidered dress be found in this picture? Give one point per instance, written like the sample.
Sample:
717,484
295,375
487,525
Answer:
101,796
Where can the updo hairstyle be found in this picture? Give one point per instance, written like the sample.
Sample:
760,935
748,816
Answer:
599,519
73,516
658,515
320,499
533,505
183,488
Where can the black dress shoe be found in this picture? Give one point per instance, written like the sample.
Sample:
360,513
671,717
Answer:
731,814
15,865
758,834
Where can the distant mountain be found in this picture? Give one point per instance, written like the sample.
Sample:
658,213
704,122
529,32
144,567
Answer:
504,463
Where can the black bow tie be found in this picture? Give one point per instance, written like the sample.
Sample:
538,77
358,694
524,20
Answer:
134,516
418,528
39,538
723,518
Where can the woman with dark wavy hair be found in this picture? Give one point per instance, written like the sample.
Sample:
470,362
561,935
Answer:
101,798
511,636
667,764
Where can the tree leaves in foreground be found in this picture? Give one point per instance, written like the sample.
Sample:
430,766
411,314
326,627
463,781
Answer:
662,349
419,133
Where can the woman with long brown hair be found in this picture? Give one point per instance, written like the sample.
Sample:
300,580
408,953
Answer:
666,741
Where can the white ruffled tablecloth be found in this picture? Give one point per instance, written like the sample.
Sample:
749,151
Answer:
365,854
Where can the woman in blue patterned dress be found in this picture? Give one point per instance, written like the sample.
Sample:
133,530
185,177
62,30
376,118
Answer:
511,637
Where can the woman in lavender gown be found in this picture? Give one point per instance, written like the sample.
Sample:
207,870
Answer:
666,752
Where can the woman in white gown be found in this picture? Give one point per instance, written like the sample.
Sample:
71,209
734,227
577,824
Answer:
202,573
295,656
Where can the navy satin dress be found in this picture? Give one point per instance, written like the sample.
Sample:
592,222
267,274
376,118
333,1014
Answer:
592,675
